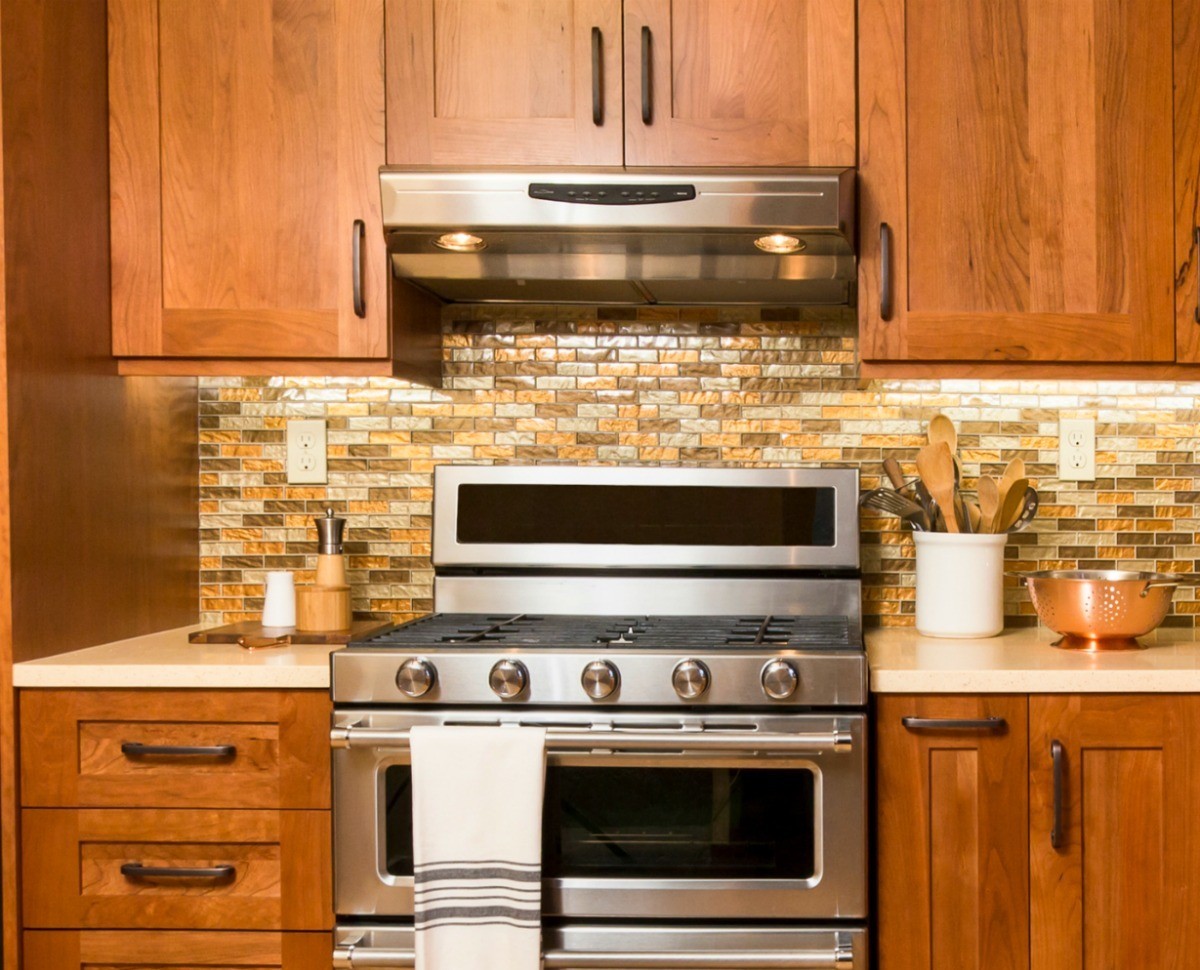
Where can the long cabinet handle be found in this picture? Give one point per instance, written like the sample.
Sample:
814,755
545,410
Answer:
356,246
355,957
885,271
1058,759
135,870
134,749
597,77
990,725
647,81
1196,256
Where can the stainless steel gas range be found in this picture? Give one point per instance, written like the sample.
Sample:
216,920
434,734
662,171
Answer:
692,641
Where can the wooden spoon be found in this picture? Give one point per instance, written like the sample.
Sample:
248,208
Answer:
1012,471
974,516
941,428
935,465
1011,505
989,502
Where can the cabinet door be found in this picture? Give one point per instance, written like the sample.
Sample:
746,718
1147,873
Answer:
952,832
159,950
504,82
1120,888
245,142
1016,174
726,82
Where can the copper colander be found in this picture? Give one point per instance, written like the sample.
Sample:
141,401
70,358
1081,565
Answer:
1100,609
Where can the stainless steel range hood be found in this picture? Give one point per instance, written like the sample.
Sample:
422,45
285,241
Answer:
623,237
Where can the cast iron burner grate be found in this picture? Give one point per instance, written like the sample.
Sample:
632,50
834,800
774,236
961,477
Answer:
650,632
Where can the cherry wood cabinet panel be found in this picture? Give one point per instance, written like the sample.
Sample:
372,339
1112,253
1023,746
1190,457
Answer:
952,834
504,82
1017,155
71,748
1187,181
1120,888
145,950
736,83
245,140
280,869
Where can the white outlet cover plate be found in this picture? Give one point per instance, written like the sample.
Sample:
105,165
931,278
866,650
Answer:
306,461
1077,449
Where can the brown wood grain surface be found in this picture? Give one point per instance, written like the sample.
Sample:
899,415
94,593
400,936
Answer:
1022,154
1187,180
736,84
1120,891
502,82
952,836
257,130
72,858
71,748
157,950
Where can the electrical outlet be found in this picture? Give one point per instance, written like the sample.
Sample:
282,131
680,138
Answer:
306,452
1077,449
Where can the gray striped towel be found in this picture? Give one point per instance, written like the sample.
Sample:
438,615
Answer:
477,846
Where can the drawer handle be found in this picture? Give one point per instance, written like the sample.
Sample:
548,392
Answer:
134,749
990,725
1058,760
135,870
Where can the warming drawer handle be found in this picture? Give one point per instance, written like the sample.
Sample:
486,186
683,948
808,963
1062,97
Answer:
135,870
559,741
989,725
135,749
355,957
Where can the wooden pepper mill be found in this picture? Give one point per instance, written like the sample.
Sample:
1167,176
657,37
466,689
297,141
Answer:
326,604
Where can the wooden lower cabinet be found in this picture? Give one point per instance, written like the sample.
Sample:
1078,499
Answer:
952,832
1122,887
140,950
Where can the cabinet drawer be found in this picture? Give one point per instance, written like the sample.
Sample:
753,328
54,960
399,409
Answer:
138,950
267,749
274,869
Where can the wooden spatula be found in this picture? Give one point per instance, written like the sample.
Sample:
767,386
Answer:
989,502
1011,504
935,465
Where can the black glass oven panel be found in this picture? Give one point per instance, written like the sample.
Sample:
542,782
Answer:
655,823
642,515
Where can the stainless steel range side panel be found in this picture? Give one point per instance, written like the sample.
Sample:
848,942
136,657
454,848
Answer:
837,890
670,947
448,551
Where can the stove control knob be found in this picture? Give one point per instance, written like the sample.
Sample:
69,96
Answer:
600,678
508,679
779,680
415,677
690,679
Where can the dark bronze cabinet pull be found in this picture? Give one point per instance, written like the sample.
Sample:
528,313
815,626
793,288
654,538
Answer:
885,271
1058,759
356,245
647,85
133,749
990,725
135,870
597,77
1196,256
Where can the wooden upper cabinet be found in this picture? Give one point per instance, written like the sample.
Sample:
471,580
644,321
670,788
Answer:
504,82
952,832
1019,153
732,83
1120,888
245,143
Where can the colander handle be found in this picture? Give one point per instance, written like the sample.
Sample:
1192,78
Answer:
1159,584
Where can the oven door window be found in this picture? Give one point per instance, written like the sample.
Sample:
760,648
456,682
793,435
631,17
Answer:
656,822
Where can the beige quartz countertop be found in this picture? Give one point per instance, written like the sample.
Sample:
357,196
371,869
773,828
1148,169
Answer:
1021,661
166,660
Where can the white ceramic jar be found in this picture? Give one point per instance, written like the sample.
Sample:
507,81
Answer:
960,584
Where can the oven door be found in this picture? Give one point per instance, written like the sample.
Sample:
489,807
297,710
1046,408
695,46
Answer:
719,816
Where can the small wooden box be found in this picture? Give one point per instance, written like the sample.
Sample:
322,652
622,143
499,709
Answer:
322,608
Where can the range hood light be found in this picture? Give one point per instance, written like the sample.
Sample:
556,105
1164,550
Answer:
460,242
779,243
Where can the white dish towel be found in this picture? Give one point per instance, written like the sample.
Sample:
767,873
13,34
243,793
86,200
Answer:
477,846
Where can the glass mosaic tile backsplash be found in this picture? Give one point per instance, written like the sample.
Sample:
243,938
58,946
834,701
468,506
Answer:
675,386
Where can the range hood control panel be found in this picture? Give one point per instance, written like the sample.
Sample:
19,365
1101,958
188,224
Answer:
601,194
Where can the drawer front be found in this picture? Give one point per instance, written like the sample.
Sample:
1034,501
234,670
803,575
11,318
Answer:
140,950
186,749
245,870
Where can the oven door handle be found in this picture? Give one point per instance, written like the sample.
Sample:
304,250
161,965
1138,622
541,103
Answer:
559,741
354,958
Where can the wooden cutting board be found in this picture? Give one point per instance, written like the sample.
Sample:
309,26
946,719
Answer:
359,630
